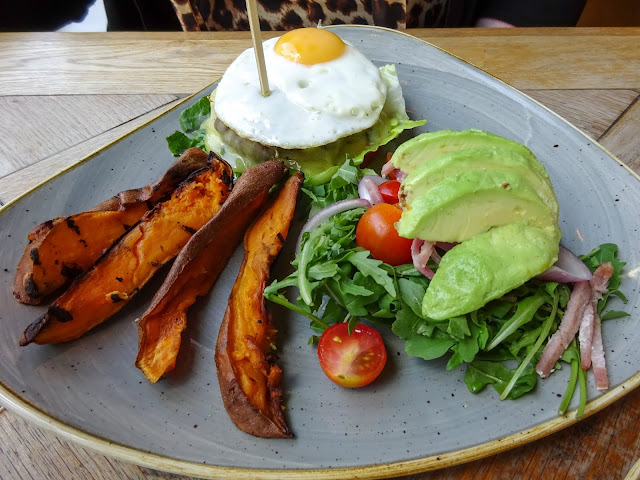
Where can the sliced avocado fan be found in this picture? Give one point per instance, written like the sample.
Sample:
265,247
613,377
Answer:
487,266
471,202
489,193
430,173
428,146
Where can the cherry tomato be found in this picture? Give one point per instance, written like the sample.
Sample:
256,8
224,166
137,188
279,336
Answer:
351,360
389,191
376,232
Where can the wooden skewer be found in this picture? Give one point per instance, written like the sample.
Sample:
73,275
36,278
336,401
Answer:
254,25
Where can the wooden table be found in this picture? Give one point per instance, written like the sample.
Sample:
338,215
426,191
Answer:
64,95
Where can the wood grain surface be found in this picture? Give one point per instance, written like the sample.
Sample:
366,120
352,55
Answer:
124,63
62,96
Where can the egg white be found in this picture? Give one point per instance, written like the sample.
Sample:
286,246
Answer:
309,105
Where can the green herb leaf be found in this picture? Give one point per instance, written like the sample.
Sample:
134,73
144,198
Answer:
481,373
178,142
412,292
524,314
613,314
191,118
370,267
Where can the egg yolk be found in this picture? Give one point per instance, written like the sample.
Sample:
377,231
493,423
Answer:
310,46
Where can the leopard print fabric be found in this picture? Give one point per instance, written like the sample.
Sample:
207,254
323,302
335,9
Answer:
217,15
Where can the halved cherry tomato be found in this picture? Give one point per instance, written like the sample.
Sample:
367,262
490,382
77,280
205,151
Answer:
376,232
351,360
389,191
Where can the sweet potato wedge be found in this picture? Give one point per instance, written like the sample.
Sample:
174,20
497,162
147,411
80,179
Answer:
248,377
197,268
125,268
62,248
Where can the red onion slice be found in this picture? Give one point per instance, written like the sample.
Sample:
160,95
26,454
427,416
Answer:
420,253
400,175
378,180
569,268
446,246
368,189
330,211
387,168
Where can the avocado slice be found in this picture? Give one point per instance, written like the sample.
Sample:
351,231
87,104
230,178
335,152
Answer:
432,172
471,202
488,266
428,146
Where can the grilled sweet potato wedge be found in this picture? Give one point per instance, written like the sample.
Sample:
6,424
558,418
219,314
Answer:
249,379
62,248
197,268
125,268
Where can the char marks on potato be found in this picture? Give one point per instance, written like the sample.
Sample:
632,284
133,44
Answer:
126,267
248,376
197,268
62,248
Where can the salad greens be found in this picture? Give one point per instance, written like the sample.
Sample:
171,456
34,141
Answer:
192,135
499,344
338,281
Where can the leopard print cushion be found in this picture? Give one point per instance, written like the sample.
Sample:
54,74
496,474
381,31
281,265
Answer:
215,15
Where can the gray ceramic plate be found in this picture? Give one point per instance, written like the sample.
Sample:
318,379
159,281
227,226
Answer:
415,417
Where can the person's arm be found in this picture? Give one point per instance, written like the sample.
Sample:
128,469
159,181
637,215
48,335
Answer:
529,13
42,15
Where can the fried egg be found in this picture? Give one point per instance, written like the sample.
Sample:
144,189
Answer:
322,89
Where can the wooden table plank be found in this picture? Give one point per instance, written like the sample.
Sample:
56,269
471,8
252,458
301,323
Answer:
20,181
622,137
37,127
177,62
43,455
592,111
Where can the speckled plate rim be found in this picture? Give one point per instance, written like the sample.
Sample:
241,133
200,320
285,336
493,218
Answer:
16,404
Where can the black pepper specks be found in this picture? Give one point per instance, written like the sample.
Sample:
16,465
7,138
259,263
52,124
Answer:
189,229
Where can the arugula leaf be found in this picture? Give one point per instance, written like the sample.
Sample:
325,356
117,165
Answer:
370,267
613,314
190,121
412,292
178,142
524,313
544,333
479,374
341,185
191,118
